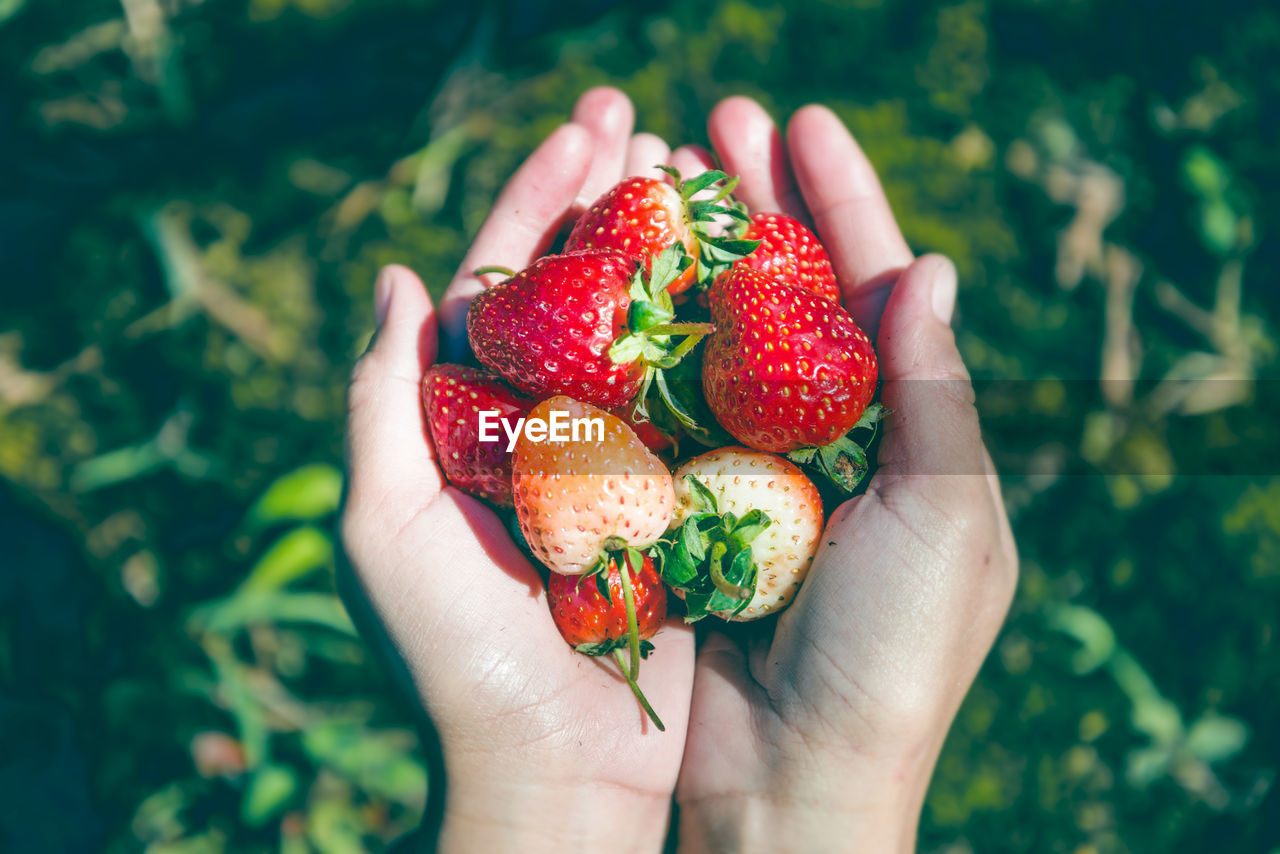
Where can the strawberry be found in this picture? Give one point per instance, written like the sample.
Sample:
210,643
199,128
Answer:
579,500
641,217
601,616
651,434
591,613
791,253
453,397
789,371
586,324
746,527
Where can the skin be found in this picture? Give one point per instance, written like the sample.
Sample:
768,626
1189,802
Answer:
817,731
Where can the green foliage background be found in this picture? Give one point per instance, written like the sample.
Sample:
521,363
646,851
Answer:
195,197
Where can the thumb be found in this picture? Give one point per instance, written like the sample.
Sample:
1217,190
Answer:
388,447
933,426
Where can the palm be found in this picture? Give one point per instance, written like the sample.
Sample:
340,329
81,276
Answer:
502,675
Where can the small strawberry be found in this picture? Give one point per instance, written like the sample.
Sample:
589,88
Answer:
586,324
789,371
579,500
454,397
746,527
600,616
791,253
641,217
591,614
650,433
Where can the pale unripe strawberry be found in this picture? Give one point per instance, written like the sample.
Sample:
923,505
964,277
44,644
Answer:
742,480
576,500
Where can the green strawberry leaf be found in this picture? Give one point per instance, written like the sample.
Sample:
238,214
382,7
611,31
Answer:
702,497
627,348
665,269
678,569
692,538
803,456
844,462
742,571
696,604
720,601
748,528
602,648
693,186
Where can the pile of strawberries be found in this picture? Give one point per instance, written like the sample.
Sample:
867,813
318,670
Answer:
675,320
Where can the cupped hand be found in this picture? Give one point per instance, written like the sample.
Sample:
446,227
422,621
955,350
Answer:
541,747
819,732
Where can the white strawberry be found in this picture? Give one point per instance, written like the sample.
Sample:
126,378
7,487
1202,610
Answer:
746,527
579,499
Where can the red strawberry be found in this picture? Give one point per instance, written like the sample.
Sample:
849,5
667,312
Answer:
579,500
648,432
585,324
791,253
638,217
454,396
641,217
595,623
602,615
756,502
787,370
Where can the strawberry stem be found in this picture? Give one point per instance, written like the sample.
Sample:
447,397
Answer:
633,628
635,689
505,271
698,329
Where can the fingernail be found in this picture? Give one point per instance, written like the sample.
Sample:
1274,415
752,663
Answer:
382,296
944,291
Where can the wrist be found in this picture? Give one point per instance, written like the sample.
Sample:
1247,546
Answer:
852,810
532,817
748,823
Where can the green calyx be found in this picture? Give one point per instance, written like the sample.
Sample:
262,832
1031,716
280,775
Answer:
844,461
715,253
655,338
652,332
708,556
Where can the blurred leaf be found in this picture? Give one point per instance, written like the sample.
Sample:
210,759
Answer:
1219,226
1205,174
9,8
269,790
305,493
1214,737
1088,627
1146,765
247,608
374,760
297,553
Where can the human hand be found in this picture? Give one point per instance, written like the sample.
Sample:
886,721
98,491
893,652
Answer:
819,731
542,748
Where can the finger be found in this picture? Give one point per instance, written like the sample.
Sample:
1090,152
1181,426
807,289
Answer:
388,448
850,211
750,146
691,160
608,116
644,155
932,427
524,220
